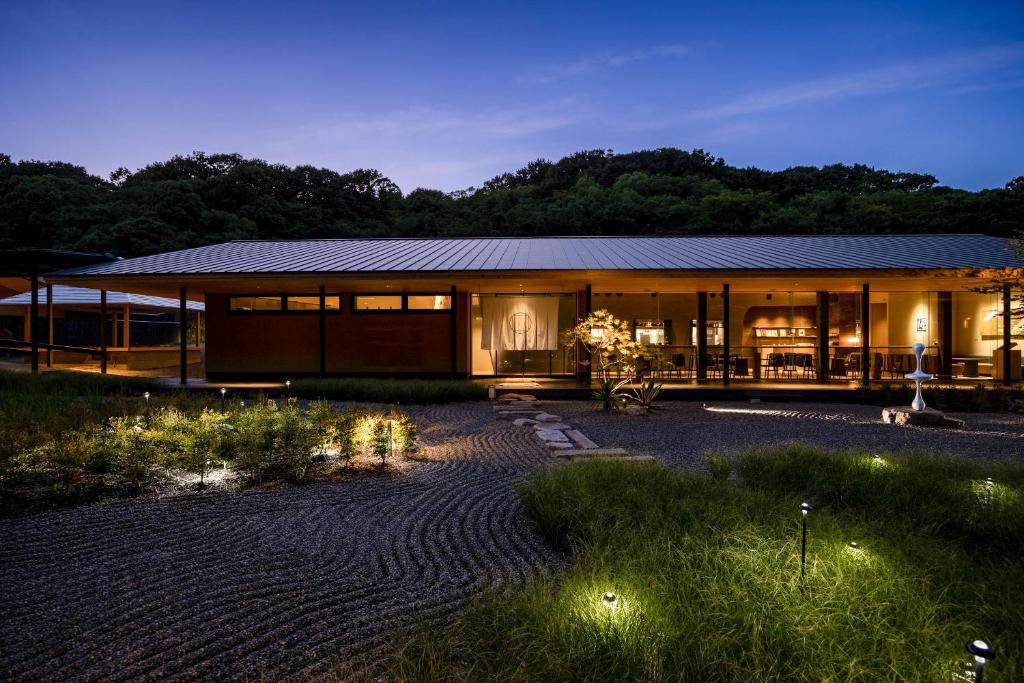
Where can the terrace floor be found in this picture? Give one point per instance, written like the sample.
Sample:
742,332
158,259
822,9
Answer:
230,585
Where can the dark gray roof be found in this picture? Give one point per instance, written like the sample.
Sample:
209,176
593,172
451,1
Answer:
83,296
573,253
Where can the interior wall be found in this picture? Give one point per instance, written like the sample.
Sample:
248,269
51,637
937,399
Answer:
905,310
677,310
972,318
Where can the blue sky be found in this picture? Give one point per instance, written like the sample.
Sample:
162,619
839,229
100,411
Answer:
446,95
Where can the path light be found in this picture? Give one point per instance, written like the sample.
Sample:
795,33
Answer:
982,655
223,399
146,396
492,392
608,600
804,509
287,386
988,490
853,544
242,403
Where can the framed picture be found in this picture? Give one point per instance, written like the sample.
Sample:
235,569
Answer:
922,324
801,332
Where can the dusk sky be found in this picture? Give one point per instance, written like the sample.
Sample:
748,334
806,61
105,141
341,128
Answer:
446,96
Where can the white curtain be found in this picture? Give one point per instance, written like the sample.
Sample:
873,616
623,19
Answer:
519,323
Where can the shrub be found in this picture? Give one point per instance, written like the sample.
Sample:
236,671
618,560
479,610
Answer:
253,438
66,457
135,451
719,467
195,441
296,442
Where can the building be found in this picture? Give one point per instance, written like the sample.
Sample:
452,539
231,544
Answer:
828,308
141,332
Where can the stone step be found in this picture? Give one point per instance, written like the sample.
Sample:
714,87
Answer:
559,446
515,414
546,417
552,435
581,440
524,421
568,455
592,452
561,426
515,406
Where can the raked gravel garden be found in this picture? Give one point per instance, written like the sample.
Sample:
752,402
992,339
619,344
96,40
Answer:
301,579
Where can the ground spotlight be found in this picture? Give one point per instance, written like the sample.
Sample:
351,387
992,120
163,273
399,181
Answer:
988,492
146,396
223,399
983,653
853,544
287,386
804,509
609,600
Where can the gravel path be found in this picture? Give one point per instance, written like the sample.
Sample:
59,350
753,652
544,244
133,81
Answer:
234,585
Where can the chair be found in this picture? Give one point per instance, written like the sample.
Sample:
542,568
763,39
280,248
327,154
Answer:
715,365
772,365
806,363
681,365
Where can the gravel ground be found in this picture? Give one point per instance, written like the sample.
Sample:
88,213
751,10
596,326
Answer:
682,433
233,585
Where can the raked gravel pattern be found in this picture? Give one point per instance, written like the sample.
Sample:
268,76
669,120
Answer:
683,433
229,586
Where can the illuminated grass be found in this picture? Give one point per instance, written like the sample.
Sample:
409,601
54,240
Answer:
708,577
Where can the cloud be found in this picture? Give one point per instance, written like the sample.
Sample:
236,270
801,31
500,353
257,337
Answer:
889,79
986,87
557,72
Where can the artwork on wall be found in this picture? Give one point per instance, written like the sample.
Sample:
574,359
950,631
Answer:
922,324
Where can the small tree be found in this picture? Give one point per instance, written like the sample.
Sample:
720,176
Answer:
134,450
612,351
296,441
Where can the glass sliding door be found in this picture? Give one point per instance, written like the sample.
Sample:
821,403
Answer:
522,334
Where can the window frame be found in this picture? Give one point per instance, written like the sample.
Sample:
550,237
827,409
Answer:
283,304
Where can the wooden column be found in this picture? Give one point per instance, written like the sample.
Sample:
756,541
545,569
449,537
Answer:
323,331
182,337
103,331
453,330
725,334
823,315
1008,370
49,325
126,329
33,315
945,314
199,326
702,336
865,335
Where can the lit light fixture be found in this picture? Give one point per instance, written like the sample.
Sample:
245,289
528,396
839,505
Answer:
988,492
853,544
242,403
804,509
223,399
145,395
609,599
287,385
983,654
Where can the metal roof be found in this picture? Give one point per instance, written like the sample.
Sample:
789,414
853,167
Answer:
64,295
25,262
816,252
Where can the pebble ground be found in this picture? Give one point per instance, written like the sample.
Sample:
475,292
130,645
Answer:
238,585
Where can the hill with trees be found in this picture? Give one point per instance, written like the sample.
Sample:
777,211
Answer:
205,198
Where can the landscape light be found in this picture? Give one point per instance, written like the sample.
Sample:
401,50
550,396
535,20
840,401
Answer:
223,399
804,509
145,395
287,386
608,600
988,492
853,544
983,653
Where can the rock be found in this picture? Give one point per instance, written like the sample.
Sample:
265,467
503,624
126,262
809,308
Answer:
523,421
929,417
515,414
545,417
634,409
558,445
581,440
552,435
551,425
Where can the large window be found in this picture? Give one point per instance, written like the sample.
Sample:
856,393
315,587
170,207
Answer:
429,302
377,302
394,303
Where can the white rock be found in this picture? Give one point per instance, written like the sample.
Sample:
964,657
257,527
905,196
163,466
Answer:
551,425
552,435
581,440
546,417
522,421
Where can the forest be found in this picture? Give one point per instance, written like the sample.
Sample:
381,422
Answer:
204,198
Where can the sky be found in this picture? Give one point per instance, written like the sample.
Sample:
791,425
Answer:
448,95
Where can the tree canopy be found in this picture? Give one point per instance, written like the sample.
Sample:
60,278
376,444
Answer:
204,198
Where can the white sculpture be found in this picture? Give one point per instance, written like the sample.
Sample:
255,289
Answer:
919,377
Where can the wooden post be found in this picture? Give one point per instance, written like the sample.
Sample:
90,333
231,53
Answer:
945,364
126,330
1008,370
823,315
702,336
323,330
103,331
725,334
865,335
199,326
182,337
33,315
453,331
49,325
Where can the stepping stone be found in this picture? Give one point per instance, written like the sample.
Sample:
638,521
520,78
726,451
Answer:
523,421
552,435
557,445
516,407
599,452
545,417
551,425
581,440
513,414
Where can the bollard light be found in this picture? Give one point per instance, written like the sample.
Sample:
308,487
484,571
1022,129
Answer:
608,600
242,403
988,492
287,386
492,392
983,654
146,396
223,399
853,544
804,509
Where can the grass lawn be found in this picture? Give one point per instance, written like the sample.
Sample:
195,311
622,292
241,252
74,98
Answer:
706,574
